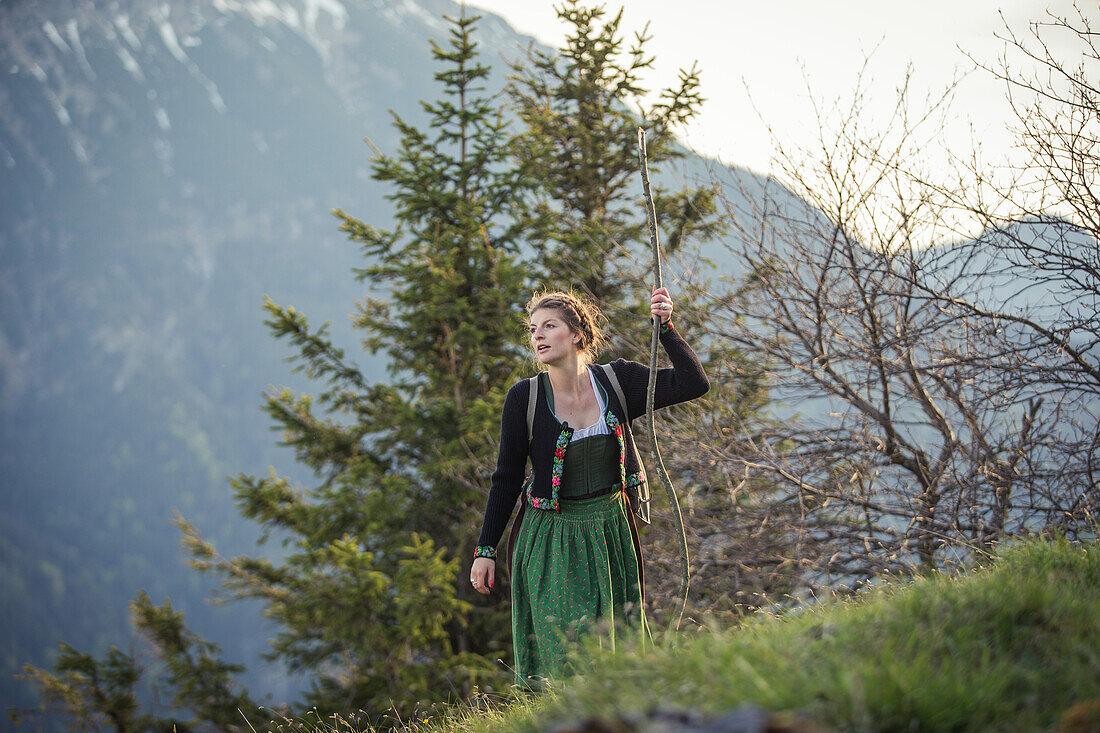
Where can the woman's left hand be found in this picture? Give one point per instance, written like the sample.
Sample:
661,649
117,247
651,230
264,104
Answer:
660,305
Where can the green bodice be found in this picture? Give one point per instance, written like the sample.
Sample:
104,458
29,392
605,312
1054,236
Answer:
591,463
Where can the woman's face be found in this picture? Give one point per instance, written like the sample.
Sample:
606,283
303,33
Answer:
551,339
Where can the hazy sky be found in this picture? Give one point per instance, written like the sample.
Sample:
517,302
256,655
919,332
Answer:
762,60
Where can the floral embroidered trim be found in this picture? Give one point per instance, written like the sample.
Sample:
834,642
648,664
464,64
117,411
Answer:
635,479
486,551
666,326
555,474
617,428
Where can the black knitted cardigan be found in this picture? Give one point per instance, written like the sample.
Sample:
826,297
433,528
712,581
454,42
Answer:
686,380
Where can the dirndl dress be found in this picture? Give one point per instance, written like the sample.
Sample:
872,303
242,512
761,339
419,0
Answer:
574,572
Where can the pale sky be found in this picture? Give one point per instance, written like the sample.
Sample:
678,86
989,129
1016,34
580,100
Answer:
759,59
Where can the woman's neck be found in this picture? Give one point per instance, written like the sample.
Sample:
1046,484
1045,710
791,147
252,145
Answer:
570,378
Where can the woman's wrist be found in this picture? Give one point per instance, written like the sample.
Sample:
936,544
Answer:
486,551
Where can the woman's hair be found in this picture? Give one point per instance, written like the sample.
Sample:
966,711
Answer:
580,314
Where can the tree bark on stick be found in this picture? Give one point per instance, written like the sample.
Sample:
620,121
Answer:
662,474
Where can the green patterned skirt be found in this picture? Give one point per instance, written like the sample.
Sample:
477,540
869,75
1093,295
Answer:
573,573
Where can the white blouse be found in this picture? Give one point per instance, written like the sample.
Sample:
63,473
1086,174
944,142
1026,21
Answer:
600,426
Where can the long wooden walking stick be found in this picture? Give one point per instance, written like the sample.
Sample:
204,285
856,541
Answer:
662,474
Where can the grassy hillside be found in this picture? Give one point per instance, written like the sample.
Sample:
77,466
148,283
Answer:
1014,646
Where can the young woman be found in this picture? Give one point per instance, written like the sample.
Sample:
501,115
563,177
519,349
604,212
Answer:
576,558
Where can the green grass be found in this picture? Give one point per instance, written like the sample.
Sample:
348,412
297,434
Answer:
1009,647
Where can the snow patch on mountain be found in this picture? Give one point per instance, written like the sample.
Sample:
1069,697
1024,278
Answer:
168,35
73,34
133,68
122,22
162,17
417,12
304,21
55,37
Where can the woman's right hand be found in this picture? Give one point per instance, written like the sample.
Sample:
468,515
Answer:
660,305
483,574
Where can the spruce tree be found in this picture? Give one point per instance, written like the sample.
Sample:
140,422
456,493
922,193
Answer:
372,595
192,687
581,108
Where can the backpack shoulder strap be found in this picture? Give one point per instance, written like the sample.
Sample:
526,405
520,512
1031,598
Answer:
532,400
611,377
